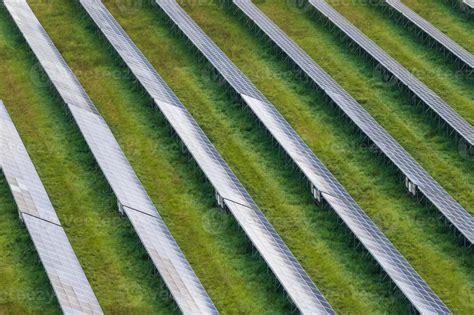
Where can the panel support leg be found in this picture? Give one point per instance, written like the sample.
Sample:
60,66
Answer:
316,194
412,188
120,208
220,200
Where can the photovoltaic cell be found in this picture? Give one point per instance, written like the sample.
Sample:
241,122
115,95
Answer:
413,171
383,251
72,289
263,236
133,200
425,94
426,27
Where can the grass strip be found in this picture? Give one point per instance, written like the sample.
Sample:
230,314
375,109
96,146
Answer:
352,163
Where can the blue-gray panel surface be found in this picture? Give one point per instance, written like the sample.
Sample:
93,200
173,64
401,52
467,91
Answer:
426,27
469,4
263,236
70,284
133,200
408,166
400,271
424,93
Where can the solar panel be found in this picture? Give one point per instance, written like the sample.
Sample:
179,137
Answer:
428,29
416,177
72,289
469,4
326,185
263,236
425,94
133,200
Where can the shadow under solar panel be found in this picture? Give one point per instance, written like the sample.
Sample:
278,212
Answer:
173,267
69,282
465,57
422,92
230,191
417,179
382,250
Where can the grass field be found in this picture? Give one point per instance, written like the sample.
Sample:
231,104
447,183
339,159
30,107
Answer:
106,245
447,19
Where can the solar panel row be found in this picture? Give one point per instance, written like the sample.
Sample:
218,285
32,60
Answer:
72,289
425,94
417,179
269,244
132,198
428,29
323,182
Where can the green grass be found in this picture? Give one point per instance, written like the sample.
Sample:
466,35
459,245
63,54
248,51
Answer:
118,269
448,19
105,244
28,289
415,131
429,65
376,188
378,193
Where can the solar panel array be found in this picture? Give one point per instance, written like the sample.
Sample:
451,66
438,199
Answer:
133,200
381,249
72,289
414,172
428,29
269,244
425,94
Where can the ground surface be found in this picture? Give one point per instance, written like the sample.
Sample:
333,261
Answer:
238,282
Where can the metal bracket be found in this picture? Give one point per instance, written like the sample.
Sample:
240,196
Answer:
412,188
220,200
120,208
316,194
